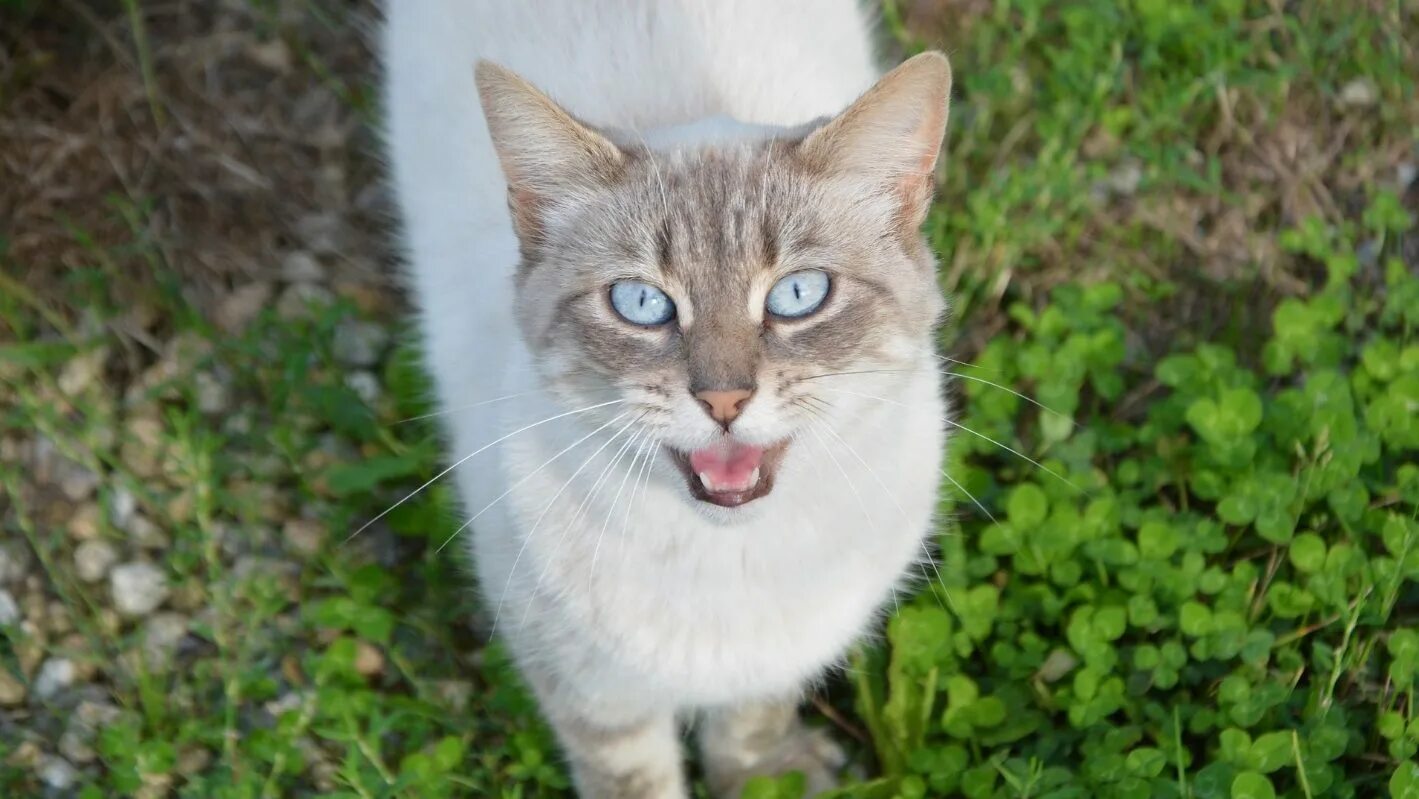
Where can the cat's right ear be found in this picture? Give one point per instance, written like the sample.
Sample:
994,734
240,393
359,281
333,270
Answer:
547,155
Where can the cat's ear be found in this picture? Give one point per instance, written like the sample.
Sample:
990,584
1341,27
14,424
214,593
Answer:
891,136
547,155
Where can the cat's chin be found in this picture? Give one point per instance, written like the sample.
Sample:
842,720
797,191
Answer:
709,484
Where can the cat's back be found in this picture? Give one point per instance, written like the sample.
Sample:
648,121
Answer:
638,64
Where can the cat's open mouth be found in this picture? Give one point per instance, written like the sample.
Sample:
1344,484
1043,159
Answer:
730,473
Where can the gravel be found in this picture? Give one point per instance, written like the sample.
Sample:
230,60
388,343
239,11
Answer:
9,609
359,344
138,588
301,267
57,773
161,636
55,675
12,691
364,384
93,559
14,562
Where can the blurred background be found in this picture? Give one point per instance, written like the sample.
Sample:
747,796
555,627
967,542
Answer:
1186,227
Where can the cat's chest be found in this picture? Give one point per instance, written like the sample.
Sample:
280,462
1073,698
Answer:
757,608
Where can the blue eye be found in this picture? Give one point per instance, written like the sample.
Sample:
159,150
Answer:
641,303
798,294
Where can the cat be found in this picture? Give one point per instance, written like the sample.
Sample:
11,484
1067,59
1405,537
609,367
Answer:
680,318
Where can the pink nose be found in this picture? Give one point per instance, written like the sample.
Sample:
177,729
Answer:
724,405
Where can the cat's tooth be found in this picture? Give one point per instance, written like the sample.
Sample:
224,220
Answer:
754,477
705,481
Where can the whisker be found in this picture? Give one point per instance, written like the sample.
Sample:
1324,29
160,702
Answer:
577,517
982,436
644,479
497,613
474,453
964,363
857,372
968,494
1008,390
469,407
890,495
596,553
871,522
529,476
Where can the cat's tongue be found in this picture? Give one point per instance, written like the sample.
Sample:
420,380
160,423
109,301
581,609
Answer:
727,465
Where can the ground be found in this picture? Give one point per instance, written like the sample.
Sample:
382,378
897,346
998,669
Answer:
1186,229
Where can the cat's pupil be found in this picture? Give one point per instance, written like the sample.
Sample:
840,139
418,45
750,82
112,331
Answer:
797,294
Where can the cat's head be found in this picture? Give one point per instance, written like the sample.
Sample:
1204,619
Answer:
720,290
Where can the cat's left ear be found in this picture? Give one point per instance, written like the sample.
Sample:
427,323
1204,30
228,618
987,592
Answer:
547,155
891,136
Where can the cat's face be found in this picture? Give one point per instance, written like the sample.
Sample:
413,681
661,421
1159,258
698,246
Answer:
723,293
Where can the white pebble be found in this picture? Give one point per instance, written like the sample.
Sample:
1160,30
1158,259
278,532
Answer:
9,610
93,559
138,588
57,773
55,674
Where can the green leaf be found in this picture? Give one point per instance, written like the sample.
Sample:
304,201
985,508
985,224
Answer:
346,479
1307,552
1027,506
1271,751
1404,783
1195,619
1250,785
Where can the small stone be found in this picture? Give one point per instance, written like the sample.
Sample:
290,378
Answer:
75,746
193,761
142,448
287,702
146,534
1124,179
301,267
138,588
1404,175
454,694
298,299
122,507
86,522
212,395
274,55
365,385
1359,93
369,661
359,344
237,310
93,559
303,536
14,562
26,755
322,233
77,481
57,773
9,609
12,691
96,715
82,372
161,636
55,674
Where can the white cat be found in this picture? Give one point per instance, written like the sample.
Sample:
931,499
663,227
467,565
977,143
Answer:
680,317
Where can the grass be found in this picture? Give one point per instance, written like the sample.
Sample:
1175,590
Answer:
1181,227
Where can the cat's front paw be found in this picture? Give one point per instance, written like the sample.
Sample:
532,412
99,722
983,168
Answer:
810,752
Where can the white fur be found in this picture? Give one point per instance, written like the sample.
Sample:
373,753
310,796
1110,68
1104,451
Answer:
685,608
